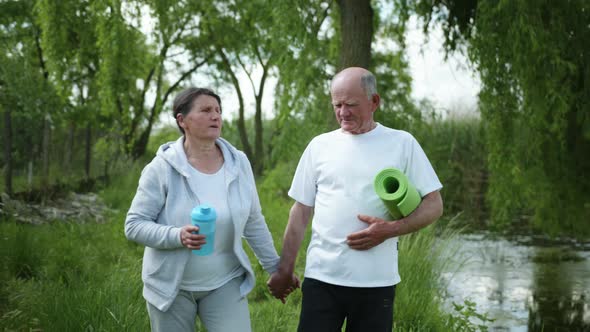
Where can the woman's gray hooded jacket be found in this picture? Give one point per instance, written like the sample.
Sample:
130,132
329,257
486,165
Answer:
162,205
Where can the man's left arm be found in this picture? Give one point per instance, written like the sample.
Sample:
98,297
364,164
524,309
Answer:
379,230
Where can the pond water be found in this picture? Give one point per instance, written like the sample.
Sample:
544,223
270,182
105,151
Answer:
523,283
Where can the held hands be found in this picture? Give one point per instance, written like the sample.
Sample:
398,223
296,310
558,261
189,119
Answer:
281,285
191,240
378,231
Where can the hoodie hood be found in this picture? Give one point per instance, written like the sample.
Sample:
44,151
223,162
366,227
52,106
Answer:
173,153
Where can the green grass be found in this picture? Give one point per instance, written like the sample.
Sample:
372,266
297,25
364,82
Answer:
86,276
70,277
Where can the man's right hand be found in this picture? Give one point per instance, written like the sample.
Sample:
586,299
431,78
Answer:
282,284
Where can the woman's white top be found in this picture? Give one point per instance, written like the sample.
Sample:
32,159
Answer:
204,273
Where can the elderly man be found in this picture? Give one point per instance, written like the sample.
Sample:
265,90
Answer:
351,267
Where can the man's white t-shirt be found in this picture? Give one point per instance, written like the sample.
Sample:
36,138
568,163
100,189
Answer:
335,176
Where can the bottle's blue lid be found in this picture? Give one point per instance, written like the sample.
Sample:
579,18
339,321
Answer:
203,212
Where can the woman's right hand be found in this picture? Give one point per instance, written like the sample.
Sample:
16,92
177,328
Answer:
190,239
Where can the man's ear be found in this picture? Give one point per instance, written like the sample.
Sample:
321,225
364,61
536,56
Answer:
376,100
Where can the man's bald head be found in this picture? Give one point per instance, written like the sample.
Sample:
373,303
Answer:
357,75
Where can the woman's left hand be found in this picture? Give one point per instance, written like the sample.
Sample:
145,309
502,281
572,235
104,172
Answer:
281,285
190,239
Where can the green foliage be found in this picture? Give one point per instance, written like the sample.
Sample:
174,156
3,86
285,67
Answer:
397,109
456,150
418,303
123,60
88,275
391,67
285,43
110,71
69,44
550,123
22,87
532,59
164,135
117,195
19,250
455,17
28,101
465,314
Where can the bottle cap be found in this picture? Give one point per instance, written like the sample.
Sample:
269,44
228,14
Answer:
203,212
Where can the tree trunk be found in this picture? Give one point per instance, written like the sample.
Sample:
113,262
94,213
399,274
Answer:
88,151
33,153
140,145
356,25
258,129
47,122
30,173
8,152
45,152
241,124
258,142
69,148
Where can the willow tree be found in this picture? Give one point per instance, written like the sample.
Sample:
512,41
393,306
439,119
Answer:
125,62
174,63
236,52
118,69
27,97
69,38
532,57
306,66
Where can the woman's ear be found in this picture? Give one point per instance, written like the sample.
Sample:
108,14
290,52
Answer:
180,120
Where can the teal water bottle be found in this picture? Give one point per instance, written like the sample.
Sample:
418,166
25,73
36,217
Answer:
204,217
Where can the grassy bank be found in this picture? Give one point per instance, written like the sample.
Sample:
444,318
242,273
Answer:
86,276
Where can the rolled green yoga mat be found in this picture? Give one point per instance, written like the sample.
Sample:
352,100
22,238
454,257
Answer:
395,190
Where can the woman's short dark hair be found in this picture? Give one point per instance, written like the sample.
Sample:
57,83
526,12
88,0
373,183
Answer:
184,101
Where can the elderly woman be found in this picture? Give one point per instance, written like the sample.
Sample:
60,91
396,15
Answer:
200,167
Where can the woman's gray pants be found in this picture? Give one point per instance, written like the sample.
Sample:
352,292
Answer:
220,310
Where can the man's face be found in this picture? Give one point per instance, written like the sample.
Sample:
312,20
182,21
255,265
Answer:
353,109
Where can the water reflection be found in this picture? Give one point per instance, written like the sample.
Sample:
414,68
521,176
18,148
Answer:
558,302
523,286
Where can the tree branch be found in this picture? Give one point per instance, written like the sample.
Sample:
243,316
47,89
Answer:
182,78
248,73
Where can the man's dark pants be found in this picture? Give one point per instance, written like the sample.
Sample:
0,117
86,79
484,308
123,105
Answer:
325,307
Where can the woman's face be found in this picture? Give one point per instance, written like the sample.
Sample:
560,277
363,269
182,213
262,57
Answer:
204,119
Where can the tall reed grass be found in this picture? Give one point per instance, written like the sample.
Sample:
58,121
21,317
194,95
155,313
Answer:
456,149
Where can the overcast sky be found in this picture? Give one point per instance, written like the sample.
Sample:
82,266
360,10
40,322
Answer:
450,84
